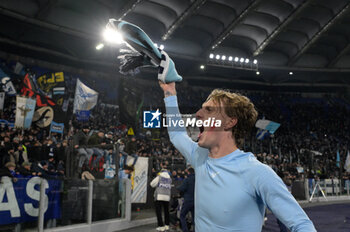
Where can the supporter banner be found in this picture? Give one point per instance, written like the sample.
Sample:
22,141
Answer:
65,105
8,86
43,116
83,115
85,97
338,159
18,68
57,127
347,163
24,112
139,194
29,89
59,96
2,100
268,125
261,134
48,81
109,167
4,123
19,201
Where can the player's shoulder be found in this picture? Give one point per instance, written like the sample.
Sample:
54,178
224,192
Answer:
256,169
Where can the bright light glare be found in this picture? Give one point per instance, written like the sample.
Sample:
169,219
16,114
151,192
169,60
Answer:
230,58
161,47
290,73
255,61
113,36
247,61
99,46
223,57
155,44
217,57
257,73
202,67
241,60
236,59
211,56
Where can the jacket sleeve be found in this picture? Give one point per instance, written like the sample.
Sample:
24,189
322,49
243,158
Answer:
280,201
25,156
155,182
76,139
178,135
183,186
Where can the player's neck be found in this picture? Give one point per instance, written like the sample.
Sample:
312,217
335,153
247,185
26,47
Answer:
224,147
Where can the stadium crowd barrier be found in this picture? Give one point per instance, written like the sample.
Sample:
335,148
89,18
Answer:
36,203
85,205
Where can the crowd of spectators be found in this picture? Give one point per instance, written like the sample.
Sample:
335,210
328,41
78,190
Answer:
30,153
308,125
313,128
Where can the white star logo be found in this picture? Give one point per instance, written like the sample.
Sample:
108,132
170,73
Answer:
155,115
213,175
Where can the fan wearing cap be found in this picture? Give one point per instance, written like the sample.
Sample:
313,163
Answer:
232,188
41,168
9,170
109,138
25,169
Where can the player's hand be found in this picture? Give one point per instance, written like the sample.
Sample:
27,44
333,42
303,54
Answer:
169,89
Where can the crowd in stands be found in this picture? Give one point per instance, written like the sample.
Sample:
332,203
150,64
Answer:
30,153
308,125
313,129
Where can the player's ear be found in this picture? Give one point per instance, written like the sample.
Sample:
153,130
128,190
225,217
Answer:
230,123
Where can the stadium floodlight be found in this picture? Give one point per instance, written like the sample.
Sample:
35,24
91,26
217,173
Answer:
99,46
290,73
257,73
223,57
247,61
236,59
202,67
241,60
255,61
217,57
211,56
113,36
161,47
230,58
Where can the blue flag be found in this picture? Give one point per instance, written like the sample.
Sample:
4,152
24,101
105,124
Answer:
261,134
268,125
338,159
57,127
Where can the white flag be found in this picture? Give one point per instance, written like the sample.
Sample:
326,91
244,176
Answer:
347,163
18,68
85,98
24,112
2,100
7,86
268,125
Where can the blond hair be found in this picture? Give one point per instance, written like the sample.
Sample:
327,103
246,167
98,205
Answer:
239,107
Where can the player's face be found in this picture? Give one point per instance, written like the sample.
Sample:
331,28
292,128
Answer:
210,136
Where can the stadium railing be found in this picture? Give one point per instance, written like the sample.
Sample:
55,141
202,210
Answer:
35,203
321,189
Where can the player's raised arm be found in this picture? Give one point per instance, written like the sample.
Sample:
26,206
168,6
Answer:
178,135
